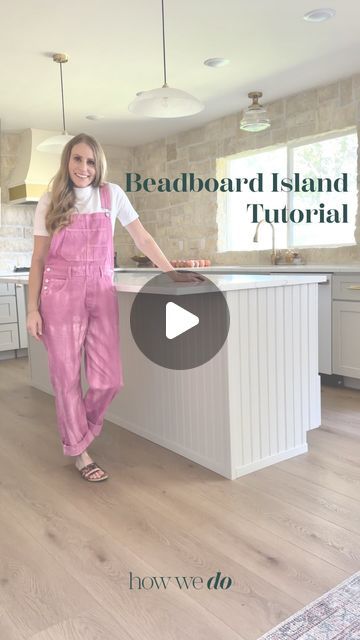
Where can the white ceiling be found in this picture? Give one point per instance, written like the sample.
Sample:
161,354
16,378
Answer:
115,51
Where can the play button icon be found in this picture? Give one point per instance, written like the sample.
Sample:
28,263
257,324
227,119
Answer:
179,325
178,320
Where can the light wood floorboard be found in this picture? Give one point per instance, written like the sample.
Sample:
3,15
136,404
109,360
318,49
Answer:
285,534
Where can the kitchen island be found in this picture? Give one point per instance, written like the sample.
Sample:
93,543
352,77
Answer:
251,405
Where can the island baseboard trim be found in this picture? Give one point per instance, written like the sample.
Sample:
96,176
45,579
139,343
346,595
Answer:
267,462
189,454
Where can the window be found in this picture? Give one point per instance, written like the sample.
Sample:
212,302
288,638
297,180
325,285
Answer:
329,157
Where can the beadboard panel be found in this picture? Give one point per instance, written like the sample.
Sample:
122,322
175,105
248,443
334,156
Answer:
274,386
186,411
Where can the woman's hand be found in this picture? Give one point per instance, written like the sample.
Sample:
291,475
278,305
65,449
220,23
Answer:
185,276
34,324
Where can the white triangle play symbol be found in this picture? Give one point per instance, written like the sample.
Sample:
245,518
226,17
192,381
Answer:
178,320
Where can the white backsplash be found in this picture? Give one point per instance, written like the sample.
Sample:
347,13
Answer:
16,235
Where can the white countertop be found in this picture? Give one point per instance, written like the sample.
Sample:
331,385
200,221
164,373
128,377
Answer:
254,268
133,282
240,268
233,269
17,278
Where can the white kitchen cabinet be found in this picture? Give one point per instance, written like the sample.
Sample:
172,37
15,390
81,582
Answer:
346,325
13,334
347,287
7,289
346,338
9,336
8,311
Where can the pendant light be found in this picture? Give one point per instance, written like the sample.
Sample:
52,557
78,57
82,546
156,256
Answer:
165,102
55,144
255,118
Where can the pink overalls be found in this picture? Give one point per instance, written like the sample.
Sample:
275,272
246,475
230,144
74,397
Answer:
79,308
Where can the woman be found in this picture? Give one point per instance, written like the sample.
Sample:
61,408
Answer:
72,303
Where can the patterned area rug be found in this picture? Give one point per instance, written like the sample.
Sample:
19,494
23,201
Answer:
333,616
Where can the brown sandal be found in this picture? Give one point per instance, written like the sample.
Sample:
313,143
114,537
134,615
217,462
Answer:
89,470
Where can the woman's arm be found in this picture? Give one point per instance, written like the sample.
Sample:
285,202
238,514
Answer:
146,243
41,248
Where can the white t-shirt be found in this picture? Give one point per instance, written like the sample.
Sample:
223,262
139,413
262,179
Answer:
87,200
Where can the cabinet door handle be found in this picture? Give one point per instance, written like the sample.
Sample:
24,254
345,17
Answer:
354,286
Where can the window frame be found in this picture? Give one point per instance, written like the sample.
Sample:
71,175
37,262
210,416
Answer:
289,146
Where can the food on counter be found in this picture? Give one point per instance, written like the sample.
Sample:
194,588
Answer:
190,264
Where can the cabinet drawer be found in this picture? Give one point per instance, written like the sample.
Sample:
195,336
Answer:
346,287
8,311
7,289
9,336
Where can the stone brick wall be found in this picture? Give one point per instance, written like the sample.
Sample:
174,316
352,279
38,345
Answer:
120,161
185,224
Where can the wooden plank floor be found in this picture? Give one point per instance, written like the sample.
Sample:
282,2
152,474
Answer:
285,534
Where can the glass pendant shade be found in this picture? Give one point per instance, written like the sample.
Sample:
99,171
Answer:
255,121
255,117
55,144
165,102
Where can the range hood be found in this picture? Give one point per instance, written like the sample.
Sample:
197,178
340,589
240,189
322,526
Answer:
33,169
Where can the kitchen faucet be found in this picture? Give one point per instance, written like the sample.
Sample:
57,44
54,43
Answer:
255,239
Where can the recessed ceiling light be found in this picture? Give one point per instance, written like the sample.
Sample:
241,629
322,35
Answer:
319,15
94,116
216,62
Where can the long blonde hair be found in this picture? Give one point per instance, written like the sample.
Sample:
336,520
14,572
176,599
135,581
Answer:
62,195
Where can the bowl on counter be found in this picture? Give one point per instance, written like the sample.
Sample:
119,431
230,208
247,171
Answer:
142,261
